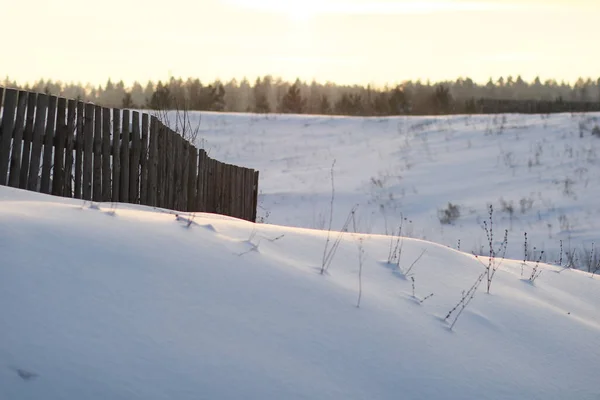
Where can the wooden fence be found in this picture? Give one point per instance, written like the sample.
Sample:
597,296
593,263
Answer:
73,149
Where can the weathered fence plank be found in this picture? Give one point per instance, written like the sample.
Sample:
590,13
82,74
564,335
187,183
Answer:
48,146
201,181
58,173
248,198
134,167
152,190
106,150
116,155
36,142
180,159
161,163
27,138
124,193
169,169
192,177
88,151
239,192
79,149
97,150
255,197
144,161
185,181
6,131
15,158
69,147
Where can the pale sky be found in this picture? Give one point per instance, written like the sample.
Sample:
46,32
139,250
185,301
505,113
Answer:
344,41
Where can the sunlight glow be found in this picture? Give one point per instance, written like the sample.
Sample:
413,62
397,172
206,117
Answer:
304,10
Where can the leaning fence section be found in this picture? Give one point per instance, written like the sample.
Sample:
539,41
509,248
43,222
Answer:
74,149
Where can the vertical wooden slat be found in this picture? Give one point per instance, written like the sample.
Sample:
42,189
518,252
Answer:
169,169
255,196
27,138
144,161
161,157
208,189
36,142
106,150
15,159
179,158
239,193
124,192
248,198
6,132
234,191
48,145
134,167
88,151
220,187
97,163
69,147
200,180
116,155
227,190
58,173
192,178
185,181
184,154
79,149
151,195
175,166
211,188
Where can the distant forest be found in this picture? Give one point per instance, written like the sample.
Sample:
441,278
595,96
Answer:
274,95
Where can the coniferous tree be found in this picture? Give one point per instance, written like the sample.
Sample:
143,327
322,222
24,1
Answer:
292,102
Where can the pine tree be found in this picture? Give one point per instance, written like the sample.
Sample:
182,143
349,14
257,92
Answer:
324,105
292,102
127,101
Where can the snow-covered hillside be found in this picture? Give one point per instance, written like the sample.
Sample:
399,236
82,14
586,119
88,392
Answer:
541,174
101,301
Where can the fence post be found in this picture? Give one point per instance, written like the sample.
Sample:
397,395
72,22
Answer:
15,160
48,145
124,192
69,147
27,139
144,161
97,173
106,150
255,196
6,132
192,176
161,157
116,154
36,142
88,150
151,196
79,149
58,173
134,167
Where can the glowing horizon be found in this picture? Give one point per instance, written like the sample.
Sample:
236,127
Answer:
342,41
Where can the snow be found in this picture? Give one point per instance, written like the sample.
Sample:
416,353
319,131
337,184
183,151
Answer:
101,301
411,167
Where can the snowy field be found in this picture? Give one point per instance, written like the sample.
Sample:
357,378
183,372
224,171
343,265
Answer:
540,173
127,302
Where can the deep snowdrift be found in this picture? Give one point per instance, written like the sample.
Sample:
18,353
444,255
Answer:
126,302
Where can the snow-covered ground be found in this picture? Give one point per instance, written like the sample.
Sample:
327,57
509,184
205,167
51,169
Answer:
128,302
545,168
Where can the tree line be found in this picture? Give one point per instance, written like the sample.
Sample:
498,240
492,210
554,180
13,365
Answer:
274,95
